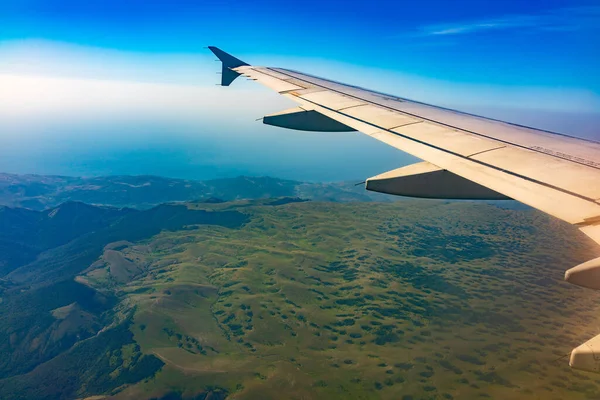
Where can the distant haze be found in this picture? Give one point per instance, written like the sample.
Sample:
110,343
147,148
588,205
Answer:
73,110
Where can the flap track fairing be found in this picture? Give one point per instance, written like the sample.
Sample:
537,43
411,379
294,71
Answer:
301,119
426,180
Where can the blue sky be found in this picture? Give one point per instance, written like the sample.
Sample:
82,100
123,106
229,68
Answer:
532,62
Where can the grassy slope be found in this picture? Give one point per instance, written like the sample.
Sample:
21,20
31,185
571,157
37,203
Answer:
322,300
44,312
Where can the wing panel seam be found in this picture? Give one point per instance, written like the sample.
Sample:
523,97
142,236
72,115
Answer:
358,105
403,125
485,151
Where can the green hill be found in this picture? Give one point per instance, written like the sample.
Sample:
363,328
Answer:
64,241
281,298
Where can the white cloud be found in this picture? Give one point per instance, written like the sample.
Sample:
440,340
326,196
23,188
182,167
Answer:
562,19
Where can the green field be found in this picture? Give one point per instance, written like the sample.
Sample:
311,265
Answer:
412,300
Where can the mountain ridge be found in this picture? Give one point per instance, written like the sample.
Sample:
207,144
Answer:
39,192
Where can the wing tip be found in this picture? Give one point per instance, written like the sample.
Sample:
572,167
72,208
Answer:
227,59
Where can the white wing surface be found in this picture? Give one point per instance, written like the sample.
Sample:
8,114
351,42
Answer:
465,156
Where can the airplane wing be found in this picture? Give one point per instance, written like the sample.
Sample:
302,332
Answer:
465,156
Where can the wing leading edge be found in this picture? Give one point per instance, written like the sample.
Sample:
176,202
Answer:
465,156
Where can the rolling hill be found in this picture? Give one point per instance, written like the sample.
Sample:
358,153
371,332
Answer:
283,298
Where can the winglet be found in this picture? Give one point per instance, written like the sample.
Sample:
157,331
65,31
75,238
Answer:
229,62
